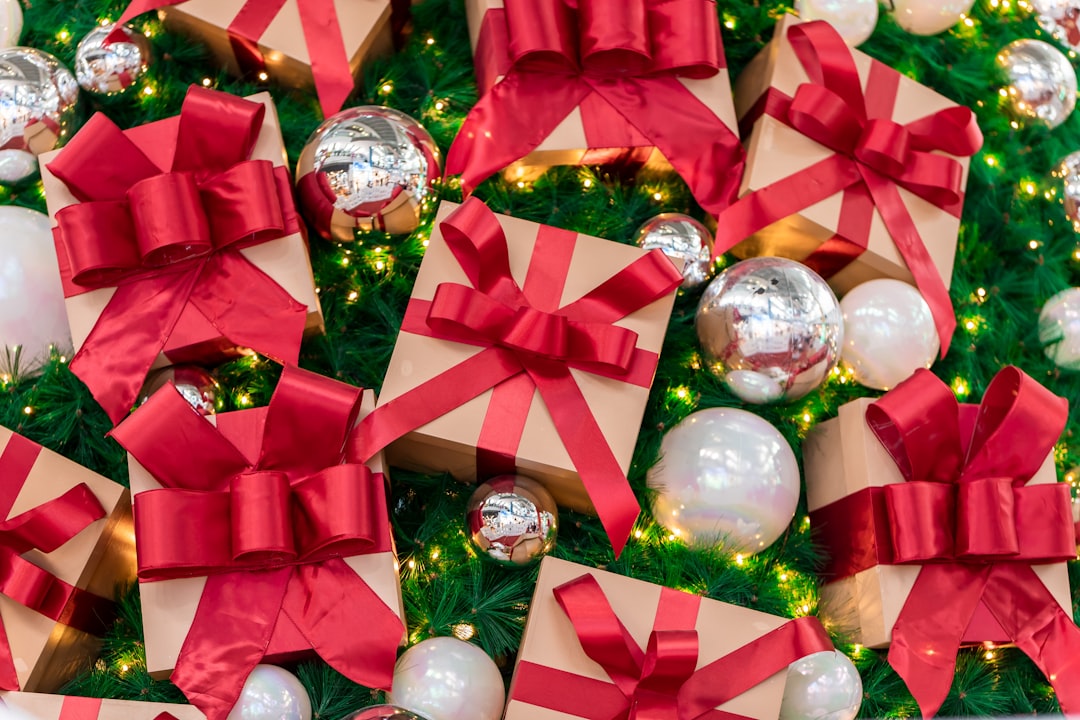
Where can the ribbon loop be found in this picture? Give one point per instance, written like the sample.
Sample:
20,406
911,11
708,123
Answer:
335,513
885,146
97,264
169,221
261,517
986,520
614,36
541,34
921,520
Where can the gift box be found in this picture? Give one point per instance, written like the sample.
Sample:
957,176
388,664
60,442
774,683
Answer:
297,44
38,706
739,662
918,499
650,86
860,175
187,248
259,542
68,546
526,348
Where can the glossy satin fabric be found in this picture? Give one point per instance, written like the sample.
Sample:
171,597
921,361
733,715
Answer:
272,535
166,240
45,528
966,514
661,682
322,34
531,343
873,157
619,63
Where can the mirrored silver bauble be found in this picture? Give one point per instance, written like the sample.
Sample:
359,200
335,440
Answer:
195,384
853,19
110,69
683,238
822,686
368,168
382,712
37,105
1068,172
1059,329
771,328
1042,81
512,520
1060,18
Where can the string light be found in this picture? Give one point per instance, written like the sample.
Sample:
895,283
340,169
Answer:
63,36
28,410
431,41
464,631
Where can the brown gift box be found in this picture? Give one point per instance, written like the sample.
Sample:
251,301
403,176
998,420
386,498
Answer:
169,606
550,639
100,559
842,456
35,706
567,145
776,151
285,259
365,28
448,444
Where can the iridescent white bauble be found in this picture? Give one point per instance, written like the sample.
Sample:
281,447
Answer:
1042,81
512,520
448,679
822,686
889,332
929,17
37,105
771,328
725,475
683,238
32,314
1059,18
382,712
853,19
105,68
272,693
11,21
1059,329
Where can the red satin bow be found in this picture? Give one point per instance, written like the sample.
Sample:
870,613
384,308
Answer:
322,34
619,61
45,527
170,239
663,682
976,528
531,344
271,536
874,156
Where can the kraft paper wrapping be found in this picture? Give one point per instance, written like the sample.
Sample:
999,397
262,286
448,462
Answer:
567,145
448,444
776,151
285,259
550,639
843,456
365,29
169,606
100,559
35,706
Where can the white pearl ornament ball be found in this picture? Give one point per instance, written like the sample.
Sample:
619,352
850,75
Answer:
1059,329
822,686
11,22
272,693
929,17
448,679
853,19
725,475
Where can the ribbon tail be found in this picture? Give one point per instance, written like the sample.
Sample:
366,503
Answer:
349,626
927,635
228,638
498,132
129,335
9,679
329,59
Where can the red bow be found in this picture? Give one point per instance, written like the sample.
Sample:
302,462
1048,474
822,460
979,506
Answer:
874,155
170,239
531,345
663,682
290,515
619,61
976,528
45,527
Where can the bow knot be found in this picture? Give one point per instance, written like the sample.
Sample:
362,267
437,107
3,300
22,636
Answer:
670,660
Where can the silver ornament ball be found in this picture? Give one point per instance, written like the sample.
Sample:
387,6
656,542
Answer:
1060,18
194,384
382,712
368,168
1059,329
680,237
37,106
771,328
1042,81
1068,172
110,68
512,520
822,686
272,693
853,19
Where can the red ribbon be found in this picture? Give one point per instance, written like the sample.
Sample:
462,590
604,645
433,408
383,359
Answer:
322,34
531,344
663,681
45,527
85,708
873,157
967,516
272,535
619,61
167,240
